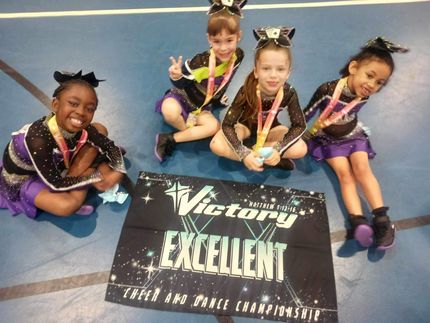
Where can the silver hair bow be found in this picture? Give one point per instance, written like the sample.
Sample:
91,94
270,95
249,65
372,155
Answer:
281,36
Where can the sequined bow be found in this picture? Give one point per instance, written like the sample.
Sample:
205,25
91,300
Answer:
233,7
90,78
281,36
383,44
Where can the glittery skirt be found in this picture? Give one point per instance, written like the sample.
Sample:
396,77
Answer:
17,193
323,146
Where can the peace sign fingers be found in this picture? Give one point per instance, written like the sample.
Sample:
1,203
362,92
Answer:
175,69
176,62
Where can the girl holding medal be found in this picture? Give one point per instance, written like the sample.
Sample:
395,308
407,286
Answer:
50,163
341,140
202,81
253,113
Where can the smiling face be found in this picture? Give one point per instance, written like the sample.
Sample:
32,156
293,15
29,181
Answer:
272,69
74,107
224,44
368,76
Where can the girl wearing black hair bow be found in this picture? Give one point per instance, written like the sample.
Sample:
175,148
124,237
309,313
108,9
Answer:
200,83
49,164
340,139
253,114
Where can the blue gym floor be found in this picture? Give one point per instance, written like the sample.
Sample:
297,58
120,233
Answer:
56,269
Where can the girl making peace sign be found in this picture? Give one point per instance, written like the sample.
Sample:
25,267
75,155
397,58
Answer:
202,81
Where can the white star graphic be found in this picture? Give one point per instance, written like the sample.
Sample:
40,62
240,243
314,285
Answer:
147,198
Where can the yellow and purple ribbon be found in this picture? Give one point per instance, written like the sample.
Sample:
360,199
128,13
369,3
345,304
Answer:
61,142
263,131
326,117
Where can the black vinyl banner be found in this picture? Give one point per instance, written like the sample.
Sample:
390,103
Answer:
210,246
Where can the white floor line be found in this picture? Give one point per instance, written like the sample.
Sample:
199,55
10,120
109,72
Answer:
138,11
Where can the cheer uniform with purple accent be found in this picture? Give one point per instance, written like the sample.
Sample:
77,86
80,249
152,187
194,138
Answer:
345,136
190,92
32,162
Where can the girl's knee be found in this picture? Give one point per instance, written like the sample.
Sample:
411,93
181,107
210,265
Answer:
362,170
170,108
345,177
217,144
298,150
302,148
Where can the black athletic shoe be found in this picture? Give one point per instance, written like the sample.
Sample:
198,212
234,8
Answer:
164,146
286,164
361,230
384,232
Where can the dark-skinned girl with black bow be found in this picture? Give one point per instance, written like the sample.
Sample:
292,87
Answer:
50,164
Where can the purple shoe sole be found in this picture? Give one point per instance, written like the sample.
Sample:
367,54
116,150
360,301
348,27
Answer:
85,209
364,235
383,248
155,149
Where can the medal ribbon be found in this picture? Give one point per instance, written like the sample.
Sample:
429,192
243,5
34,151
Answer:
326,119
61,142
263,131
211,79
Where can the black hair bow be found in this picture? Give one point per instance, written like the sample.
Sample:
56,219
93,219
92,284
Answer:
280,35
90,78
385,45
234,7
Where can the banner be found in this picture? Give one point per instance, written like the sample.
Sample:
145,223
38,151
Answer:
226,248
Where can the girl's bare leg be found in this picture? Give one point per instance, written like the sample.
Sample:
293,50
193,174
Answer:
172,113
367,180
207,126
221,147
60,203
348,184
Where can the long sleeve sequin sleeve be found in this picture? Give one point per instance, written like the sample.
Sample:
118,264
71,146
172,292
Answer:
40,146
298,123
320,94
107,147
228,127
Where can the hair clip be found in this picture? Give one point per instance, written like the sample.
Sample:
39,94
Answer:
281,36
90,78
385,45
233,7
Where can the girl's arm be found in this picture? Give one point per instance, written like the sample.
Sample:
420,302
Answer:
314,104
188,78
228,127
298,123
40,150
108,148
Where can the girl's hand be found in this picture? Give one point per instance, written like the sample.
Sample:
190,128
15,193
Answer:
175,70
224,100
110,178
273,159
252,163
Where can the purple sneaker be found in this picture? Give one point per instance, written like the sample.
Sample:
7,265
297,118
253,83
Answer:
164,146
85,209
362,231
